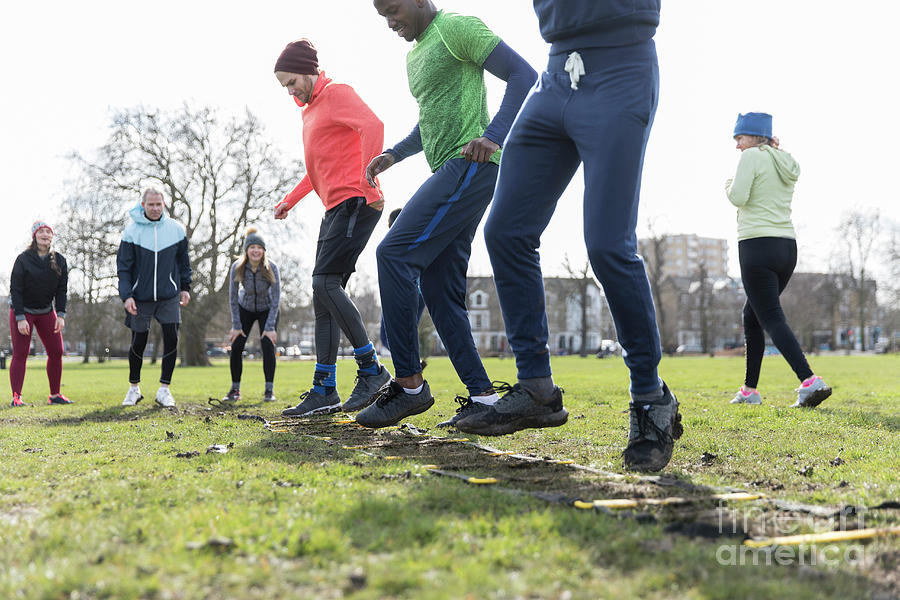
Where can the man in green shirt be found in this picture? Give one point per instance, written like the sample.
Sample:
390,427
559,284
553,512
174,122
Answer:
429,245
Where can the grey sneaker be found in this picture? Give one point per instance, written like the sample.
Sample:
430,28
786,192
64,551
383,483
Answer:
269,397
812,395
740,398
517,409
467,407
363,393
391,404
654,429
314,403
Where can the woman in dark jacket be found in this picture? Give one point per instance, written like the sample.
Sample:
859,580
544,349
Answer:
39,281
254,296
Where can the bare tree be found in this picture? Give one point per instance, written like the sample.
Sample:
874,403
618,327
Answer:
859,232
705,310
363,290
219,174
891,315
809,305
581,279
92,217
656,247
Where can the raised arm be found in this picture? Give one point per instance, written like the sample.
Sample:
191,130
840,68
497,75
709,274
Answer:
411,144
738,189
62,288
293,197
504,63
274,299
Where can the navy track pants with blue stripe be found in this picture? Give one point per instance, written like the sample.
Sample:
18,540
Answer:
428,248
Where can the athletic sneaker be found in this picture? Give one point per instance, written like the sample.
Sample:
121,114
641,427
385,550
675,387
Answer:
58,399
467,408
812,395
517,409
363,393
164,398
17,400
133,396
314,403
741,398
233,395
269,397
391,404
651,437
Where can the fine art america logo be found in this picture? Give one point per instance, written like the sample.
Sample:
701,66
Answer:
768,524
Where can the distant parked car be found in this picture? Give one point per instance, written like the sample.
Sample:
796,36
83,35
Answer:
688,348
608,348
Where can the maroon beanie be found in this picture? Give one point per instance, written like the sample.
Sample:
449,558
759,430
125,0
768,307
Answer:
298,57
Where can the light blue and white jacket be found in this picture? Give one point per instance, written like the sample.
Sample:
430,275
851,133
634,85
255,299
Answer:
153,261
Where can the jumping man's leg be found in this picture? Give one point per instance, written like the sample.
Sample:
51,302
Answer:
447,204
537,164
610,120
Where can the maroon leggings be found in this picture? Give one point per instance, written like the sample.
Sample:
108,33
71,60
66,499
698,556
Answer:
53,344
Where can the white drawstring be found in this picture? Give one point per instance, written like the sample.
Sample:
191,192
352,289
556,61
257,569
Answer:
575,69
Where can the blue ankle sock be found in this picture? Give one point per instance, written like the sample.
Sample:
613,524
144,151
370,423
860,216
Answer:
366,360
324,379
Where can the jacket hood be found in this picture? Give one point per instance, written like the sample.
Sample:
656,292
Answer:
785,165
138,216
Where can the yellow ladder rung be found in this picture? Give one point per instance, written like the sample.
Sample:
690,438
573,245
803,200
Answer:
481,480
827,537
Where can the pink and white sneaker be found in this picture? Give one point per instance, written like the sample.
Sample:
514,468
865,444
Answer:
811,393
742,397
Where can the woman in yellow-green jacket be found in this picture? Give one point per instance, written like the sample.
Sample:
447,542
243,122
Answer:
762,190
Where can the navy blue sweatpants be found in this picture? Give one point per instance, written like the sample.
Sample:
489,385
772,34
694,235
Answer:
428,248
605,124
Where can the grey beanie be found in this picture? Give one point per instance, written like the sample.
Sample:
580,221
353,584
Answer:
253,237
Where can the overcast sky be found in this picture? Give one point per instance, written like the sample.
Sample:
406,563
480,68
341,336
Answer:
822,68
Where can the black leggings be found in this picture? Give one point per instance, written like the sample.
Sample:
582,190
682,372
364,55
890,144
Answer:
170,353
237,346
335,312
767,264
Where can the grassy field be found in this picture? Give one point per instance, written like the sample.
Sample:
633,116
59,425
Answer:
95,501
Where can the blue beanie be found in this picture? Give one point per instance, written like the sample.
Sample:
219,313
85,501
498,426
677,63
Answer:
754,123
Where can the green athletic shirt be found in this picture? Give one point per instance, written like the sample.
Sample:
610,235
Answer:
446,78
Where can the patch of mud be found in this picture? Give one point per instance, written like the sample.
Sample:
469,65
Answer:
527,473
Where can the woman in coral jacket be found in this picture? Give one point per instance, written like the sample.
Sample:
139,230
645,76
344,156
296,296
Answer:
37,292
